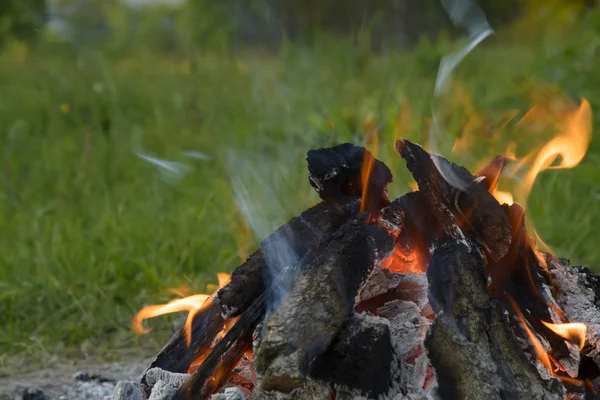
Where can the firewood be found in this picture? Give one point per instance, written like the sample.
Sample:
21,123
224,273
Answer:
301,233
519,277
467,202
216,368
359,358
316,308
177,354
473,353
349,170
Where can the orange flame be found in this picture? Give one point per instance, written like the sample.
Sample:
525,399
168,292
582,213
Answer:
574,331
191,304
571,144
372,146
538,348
503,197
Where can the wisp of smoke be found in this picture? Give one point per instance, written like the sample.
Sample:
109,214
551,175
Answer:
254,183
464,13
171,172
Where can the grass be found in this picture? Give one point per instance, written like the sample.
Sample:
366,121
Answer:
90,232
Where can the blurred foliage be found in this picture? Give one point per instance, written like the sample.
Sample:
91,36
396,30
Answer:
21,19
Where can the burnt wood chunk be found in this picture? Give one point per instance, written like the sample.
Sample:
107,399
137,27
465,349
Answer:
456,197
469,345
177,355
301,234
218,366
349,170
521,278
359,358
317,305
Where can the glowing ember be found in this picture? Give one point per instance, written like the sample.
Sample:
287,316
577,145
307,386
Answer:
574,331
191,304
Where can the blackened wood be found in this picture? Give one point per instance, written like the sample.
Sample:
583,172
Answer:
217,367
318,303
177,355
463,202
520,277
469,345
307,231
349,170
359,358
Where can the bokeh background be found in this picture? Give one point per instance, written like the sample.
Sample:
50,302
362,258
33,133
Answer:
147,145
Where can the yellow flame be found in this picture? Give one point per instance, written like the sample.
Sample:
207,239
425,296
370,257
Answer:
191,304
503,197
570,145
372,145
574,331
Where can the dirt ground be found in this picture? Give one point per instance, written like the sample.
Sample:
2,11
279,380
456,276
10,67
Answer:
69,380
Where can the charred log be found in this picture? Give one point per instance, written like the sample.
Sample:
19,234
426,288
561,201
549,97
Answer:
320,300
217,367
300,234
471,349
359,358
456,197
348,170
177,354
520,278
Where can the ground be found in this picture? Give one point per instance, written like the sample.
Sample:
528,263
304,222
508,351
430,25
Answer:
65,379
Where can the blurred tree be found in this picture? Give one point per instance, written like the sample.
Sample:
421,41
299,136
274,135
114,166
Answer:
21,19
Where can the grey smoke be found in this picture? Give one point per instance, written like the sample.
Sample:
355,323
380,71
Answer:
467,14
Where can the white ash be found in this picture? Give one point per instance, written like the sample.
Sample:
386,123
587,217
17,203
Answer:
379,282
162,386
410,362
577,300
154,375
127,390
163,390
231,393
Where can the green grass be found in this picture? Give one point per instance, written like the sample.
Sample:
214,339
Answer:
89,232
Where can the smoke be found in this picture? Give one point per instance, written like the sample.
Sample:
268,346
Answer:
171,172
257,185
467,14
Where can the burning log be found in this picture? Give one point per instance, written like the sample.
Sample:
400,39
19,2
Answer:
467,202
177,354
318,305
348,170
300,234
247,282
473,354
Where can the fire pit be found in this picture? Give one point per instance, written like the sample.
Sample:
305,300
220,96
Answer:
440,293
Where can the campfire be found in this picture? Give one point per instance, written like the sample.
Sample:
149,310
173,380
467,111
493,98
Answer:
441,293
